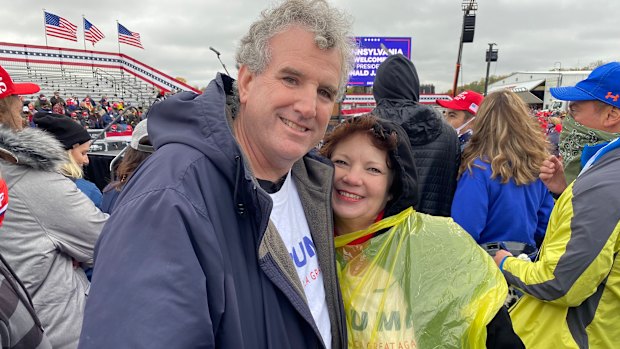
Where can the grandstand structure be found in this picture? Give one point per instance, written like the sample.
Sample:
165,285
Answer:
357,104
75,72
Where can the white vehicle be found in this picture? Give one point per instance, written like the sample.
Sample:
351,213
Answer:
560,106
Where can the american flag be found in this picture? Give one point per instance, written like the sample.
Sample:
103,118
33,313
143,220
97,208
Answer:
60,27
125,36
92,33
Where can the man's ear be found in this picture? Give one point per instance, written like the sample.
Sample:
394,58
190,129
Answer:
612,119
245,78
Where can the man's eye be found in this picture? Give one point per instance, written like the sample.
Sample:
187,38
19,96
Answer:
327,94
289,80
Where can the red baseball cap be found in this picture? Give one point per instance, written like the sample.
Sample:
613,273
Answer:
9,88
467,101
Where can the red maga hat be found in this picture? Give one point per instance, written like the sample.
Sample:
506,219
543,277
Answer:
467,101
9,88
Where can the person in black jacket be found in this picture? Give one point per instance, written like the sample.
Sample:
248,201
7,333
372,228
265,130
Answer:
435,144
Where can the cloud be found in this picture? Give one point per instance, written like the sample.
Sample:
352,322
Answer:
530,34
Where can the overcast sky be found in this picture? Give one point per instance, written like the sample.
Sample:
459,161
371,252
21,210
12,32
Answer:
530,34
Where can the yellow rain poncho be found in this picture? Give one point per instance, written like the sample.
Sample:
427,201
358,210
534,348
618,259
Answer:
423,283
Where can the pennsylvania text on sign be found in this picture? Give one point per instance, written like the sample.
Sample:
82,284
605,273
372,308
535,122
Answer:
369,55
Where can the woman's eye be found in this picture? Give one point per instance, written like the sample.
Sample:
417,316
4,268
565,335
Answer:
374,170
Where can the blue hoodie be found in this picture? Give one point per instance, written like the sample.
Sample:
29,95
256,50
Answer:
491,211
190,260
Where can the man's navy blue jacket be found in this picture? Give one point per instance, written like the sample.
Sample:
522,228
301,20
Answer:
189,259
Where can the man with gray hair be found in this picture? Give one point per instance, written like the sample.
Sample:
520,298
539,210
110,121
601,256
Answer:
223,238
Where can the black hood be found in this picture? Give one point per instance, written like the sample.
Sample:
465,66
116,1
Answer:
208,131
396,79
397,91
404,190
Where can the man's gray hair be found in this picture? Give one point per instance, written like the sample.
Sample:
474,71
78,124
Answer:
330,26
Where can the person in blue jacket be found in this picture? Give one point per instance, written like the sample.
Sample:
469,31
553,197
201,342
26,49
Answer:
223,238
499,197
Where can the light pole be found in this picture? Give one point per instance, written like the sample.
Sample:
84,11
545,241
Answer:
467,35
491,57
559,81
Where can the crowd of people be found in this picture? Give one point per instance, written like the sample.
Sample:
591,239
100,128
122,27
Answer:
226,226
87,112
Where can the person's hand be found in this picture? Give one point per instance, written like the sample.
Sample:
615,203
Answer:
499,256
552,174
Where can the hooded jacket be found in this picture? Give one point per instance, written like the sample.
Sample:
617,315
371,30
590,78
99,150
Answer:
190,259
49,224
19,325
435,144
572,292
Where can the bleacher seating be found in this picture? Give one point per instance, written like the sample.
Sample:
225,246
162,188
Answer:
79,73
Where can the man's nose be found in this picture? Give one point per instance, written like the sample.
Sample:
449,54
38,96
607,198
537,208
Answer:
306,102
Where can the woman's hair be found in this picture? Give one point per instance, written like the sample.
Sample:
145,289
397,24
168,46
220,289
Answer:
71,168
131,160
506,137
365,124
329,25
8,115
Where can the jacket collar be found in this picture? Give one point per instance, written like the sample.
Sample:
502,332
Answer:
32,148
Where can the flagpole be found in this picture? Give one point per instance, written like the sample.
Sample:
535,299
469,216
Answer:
121,61
84,30
118,38
45,27
92,62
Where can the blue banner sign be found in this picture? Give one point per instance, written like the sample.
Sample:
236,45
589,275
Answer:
369,55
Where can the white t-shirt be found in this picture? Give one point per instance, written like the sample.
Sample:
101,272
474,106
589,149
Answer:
289,218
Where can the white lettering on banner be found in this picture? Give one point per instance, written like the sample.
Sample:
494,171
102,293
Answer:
367,66
370,59
360,72
377,51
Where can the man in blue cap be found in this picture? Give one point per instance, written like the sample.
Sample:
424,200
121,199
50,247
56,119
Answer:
572,292
590,102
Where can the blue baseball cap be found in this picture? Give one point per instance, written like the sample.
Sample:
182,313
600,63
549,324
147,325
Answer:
602,84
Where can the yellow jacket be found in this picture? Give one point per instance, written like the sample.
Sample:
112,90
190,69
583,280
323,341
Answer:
572,293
